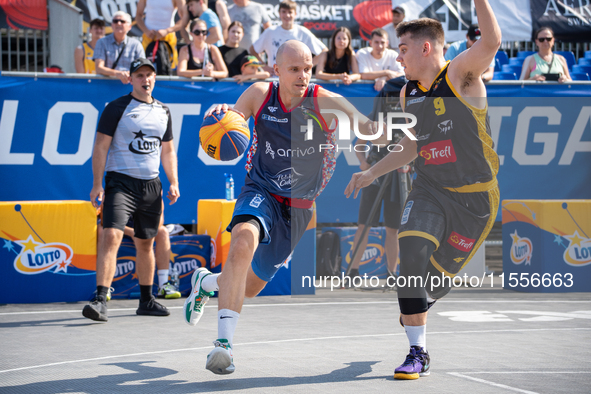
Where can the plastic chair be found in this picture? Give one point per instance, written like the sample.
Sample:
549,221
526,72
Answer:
502,75
524,54
584,62
577,68
569,56
512,69
501,56
516,61
588,55
577,76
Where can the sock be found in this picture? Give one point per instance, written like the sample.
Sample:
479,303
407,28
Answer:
417,335
227,320
210,283
162,277
101,291
429,299
145,293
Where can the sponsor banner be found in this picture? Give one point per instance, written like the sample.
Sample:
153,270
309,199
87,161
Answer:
47,129
570,20
19,14
549,238
47,245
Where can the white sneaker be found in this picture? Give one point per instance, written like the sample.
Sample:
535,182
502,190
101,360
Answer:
194,303
220,360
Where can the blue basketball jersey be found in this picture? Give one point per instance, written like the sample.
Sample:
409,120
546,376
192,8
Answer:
280,159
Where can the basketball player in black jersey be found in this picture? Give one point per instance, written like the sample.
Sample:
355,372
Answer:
455,197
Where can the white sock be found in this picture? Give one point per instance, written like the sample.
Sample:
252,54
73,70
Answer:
210,282
417,335
227,320
162,277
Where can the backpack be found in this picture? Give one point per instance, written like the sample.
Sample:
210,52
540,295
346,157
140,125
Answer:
328,254
160,54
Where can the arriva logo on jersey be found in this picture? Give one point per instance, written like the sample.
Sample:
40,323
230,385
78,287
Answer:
460,242
286,178
37,257
438,152
521,249
445,126
143,144
578,251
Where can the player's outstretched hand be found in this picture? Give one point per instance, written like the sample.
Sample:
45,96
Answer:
173,194
217,109
96,193
358,181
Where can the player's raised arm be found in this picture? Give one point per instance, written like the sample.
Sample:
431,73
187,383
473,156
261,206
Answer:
477,59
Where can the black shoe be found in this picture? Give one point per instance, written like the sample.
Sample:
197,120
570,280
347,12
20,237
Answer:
152,308
96,309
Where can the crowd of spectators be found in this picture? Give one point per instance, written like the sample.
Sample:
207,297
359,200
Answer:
239,41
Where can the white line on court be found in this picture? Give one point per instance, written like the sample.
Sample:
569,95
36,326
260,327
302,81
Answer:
344,303
528,372
504,386
286,341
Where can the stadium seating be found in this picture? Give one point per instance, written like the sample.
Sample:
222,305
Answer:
512,69
500,59
524,54
577,68
578,76
569,56
501,75
516,61
584,62
588,55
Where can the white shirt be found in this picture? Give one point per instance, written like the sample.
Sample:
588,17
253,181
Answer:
393,40
368,63
272,38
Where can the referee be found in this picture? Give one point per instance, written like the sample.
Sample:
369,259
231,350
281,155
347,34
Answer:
137,131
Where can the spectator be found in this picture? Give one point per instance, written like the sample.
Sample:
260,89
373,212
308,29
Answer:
340,61
250,68
114,53
200,59
232,52
398,14
155,18
377,62
253,17
460,46
199,9
273,37
221,10
537,66
84,54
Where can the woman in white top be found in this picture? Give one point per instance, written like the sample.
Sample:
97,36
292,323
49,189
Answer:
200,59
545,61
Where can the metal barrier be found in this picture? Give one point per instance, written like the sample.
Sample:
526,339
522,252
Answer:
23,50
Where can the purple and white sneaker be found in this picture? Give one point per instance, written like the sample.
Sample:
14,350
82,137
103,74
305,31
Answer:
417,364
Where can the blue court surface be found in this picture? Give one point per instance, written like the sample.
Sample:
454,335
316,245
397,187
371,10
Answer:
484,340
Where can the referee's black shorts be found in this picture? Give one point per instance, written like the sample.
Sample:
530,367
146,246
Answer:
127,197
390,199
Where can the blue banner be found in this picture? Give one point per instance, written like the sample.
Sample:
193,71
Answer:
47,129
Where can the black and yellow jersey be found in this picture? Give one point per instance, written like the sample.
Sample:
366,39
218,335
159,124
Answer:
454,145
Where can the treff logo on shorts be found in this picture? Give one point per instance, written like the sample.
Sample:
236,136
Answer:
438,152
460,242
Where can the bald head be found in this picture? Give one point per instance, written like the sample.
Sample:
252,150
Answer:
292,48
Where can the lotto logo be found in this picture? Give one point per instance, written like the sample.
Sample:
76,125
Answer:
439,152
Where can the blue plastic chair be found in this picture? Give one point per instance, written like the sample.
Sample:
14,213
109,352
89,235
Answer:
512,69
569,56
588,55
577,68
502,57
516,61
524,54
584,62
577,76
507,76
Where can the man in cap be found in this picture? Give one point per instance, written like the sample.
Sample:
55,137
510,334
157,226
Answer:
135,132
460,46
397,17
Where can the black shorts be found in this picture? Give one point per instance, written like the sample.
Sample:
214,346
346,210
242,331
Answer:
390,200
457,223
127,197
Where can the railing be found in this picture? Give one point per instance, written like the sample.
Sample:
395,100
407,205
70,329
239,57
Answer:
23,50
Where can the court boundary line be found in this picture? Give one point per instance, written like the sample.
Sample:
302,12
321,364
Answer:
503,386
291,340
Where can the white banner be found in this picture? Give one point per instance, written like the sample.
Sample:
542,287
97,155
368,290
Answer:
514,17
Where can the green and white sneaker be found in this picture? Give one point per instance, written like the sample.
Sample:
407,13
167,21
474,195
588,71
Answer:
168,291
220,360
194,303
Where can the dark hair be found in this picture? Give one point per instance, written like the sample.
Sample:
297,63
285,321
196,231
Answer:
428,28
195,21
236,23
288,5
379,32
541,29
332,53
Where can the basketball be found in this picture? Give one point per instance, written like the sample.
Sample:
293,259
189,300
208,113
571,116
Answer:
224,136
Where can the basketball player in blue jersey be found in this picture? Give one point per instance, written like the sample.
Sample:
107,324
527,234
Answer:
455,196
286,173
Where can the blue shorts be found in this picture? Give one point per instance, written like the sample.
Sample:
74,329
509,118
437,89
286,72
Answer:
281,234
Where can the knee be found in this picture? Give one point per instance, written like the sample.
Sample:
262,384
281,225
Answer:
162,233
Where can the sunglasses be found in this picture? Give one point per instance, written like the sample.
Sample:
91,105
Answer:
545,39
199,32
118,21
